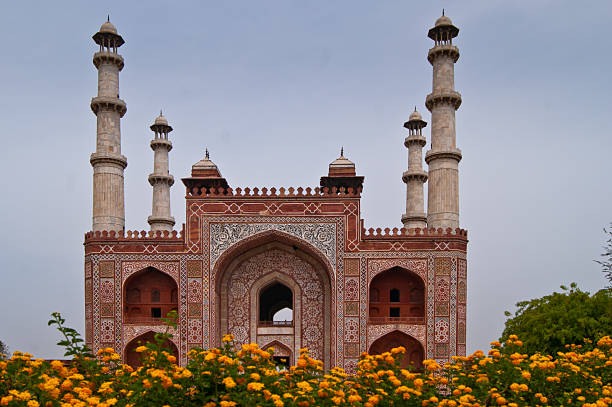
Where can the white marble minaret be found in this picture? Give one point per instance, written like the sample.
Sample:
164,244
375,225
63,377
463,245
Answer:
415,177
160,179
107,162
444,156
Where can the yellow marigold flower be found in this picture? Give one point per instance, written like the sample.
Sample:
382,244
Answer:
33,403
4,401
501,401
210,404
228,338
256,386
56,364
141,349
255,376
278,403
337,400
229,382
225,403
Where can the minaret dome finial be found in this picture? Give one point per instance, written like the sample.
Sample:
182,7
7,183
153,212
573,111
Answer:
108,18
207,154
442,11
342,151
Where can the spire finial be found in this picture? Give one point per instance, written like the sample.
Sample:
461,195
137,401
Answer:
207,154
415,108
108,18
160,112
342,151
442,11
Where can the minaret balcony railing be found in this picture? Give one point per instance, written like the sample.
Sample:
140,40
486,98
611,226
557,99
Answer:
444,96
108,57
161,142
415,139
454,154
447,50
161,179
418,175
108,158
108,103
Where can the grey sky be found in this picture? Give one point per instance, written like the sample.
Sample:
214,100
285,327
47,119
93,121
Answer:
273,89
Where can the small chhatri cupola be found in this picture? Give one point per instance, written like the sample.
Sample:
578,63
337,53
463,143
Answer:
342,166
107,38
205,168
342,174
204,174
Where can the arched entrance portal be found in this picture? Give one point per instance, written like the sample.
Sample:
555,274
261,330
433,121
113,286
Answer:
133,358
148,296
413,357
276,292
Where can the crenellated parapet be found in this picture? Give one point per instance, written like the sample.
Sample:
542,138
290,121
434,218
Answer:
380,233
131,235
273,192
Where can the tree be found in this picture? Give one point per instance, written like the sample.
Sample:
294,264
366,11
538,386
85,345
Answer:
606,264
3,350
549,323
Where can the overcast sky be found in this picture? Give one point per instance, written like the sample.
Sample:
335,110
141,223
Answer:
274,89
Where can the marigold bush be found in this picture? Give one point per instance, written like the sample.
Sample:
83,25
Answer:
248,376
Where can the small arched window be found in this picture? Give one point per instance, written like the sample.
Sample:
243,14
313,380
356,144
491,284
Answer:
394,295
155,296
374,295
276,305
173,296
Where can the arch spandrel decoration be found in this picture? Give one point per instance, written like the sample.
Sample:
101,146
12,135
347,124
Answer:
260,239
320,236
130,267
417,266
418,332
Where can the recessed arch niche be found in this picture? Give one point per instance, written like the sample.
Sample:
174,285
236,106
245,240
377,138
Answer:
396,295
148,296
275,263
413,357
133,358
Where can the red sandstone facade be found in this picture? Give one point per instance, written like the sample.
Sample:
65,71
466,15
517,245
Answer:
244,254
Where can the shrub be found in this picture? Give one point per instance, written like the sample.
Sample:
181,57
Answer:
247,376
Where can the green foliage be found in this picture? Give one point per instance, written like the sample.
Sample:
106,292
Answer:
547,324
606,264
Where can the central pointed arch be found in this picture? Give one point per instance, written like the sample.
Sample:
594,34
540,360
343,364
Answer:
282,247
